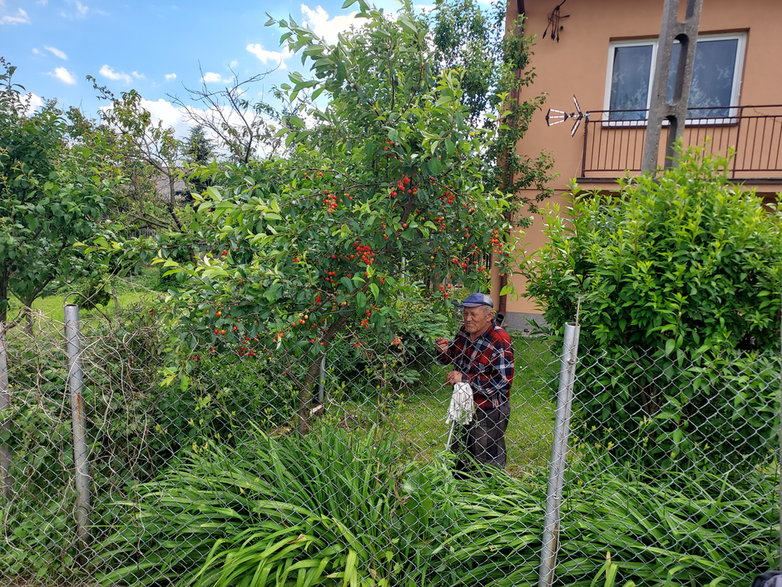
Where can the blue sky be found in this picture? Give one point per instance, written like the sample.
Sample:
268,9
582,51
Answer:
157,48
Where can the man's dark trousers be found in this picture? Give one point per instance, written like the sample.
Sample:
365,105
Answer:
482,441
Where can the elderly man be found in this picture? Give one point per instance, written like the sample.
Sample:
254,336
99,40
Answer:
482,355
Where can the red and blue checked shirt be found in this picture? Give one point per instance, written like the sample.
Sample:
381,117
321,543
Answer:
485,363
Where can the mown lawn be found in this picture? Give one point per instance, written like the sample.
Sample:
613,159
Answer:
128,292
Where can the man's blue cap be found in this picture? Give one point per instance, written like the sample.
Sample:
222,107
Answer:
477,299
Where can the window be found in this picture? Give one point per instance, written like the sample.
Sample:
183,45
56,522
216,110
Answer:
715,77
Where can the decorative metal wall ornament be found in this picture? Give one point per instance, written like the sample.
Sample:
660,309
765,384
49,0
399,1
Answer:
554,116
554,22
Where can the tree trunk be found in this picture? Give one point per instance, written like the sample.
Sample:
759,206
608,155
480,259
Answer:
313,370
28,320
115,298
4,295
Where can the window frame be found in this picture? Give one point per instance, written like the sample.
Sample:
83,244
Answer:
738,69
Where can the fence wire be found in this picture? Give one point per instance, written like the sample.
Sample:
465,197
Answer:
198,475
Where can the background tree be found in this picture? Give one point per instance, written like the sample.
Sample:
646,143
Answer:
54,192
244,130
198,151
493,57
197,148
149,153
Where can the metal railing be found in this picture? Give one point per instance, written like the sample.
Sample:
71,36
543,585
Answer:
751,135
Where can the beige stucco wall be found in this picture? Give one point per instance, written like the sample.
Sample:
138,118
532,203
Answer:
577,64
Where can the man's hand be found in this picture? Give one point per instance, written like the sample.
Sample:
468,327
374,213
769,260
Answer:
441,344
453,377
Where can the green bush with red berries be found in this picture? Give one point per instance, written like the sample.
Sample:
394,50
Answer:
380,191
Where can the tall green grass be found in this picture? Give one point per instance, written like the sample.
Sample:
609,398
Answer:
340,508
275,511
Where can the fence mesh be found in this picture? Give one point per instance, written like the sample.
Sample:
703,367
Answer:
198,475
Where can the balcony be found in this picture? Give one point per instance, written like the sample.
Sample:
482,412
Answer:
613,141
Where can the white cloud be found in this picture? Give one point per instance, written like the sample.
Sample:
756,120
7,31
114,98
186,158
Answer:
137,75
211,77
318,21
57,53
164,111
75,10
33,101
276,57
109,73
170,76
18,17
63,75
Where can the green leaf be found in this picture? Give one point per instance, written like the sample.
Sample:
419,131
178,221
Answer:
435,166
361,300
213,272
272,293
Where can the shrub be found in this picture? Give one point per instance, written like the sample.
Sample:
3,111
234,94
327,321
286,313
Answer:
678,279
684,260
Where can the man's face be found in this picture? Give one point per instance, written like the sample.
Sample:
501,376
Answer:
477,319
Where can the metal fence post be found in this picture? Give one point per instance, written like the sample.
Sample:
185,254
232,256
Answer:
5,424
78,419
779,459
567,371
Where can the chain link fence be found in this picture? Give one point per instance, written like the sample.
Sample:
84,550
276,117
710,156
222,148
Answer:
195,473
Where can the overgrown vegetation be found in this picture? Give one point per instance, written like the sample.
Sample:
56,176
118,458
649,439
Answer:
334,259
341,507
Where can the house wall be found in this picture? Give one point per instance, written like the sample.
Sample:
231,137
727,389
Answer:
577,65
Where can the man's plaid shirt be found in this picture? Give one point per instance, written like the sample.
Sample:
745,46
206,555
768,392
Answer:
485,363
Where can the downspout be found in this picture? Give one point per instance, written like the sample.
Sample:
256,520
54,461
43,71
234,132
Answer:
502,302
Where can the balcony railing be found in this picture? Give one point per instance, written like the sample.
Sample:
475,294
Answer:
613,141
